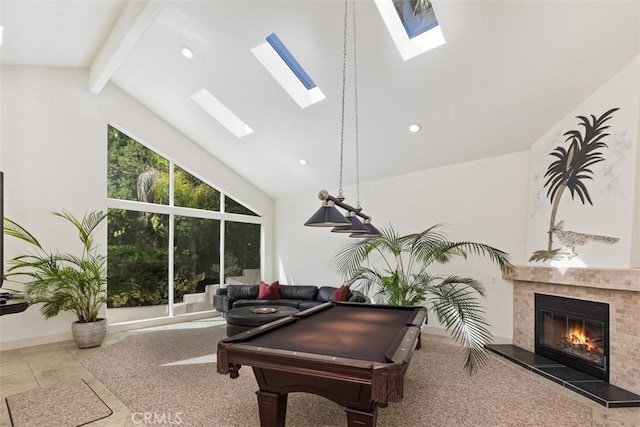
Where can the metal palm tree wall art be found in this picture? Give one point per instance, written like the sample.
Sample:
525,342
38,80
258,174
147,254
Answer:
570,171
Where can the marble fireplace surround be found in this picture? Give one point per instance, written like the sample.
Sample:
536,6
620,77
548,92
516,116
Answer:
620,288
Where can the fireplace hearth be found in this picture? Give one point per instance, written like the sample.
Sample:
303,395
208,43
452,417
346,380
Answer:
573,332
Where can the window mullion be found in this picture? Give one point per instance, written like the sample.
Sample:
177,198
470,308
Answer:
178,210
222,238
171,260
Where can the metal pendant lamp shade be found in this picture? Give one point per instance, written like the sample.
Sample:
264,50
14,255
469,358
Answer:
327,216
371,231
356,225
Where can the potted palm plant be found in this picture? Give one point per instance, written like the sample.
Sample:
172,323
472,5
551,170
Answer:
64,281
405,279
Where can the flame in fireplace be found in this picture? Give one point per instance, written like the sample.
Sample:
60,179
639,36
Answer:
578,337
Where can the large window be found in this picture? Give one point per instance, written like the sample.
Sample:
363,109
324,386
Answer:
172,236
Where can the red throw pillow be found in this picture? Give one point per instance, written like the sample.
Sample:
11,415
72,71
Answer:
343,293
271,291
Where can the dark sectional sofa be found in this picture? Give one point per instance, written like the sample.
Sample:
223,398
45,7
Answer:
301,297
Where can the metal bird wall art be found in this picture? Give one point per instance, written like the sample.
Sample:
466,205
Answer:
571,239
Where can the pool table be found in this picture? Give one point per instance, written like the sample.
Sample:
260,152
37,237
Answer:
353,354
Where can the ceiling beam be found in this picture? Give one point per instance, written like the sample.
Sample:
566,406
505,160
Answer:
135,18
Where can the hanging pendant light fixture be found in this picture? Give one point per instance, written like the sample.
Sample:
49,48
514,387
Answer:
355,225
371,231
328,215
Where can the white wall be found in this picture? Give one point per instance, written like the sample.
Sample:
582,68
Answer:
53,147
483,201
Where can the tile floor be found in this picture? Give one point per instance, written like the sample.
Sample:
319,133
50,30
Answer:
40,366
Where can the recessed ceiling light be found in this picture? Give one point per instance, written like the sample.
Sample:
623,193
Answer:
303,161
186,52
415,128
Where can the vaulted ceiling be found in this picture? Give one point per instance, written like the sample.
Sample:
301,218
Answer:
508,72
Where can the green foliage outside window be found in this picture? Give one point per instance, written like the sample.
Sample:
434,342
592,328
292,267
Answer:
137,251
130,162
231,206
138,241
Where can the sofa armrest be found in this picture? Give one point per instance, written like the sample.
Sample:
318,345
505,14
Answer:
221,291
357,296
222,303
325,294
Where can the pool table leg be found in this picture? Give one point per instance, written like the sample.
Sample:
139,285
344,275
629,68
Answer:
273,408
362,419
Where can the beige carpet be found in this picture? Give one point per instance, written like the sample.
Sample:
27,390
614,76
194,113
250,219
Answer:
70,404
173,374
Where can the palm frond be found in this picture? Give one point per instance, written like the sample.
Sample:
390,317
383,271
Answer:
12,228
420,6
388,241
497,256
427,247
467,282
350,257
367,279
456,306
85,226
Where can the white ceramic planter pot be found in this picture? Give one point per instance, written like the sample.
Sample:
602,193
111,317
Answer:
89,334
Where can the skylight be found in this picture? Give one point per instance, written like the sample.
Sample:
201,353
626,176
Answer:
412,32
287,71
221,113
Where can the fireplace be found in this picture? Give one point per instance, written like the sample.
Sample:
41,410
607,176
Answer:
617,368
573,332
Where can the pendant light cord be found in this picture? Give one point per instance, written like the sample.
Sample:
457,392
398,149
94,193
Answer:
355,100
344,81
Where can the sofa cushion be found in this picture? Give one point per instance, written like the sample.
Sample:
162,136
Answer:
271,291
301,292
242,291
325,293
343,293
